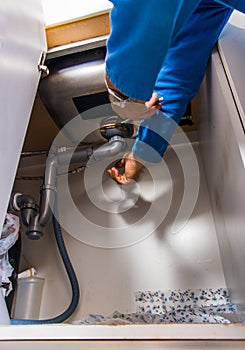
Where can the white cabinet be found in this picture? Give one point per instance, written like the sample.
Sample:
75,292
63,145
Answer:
22,41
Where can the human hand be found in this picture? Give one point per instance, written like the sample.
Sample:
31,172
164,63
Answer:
154,102
138,110
131,166
128,108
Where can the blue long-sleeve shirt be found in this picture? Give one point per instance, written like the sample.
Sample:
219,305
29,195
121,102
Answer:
167,57
141,33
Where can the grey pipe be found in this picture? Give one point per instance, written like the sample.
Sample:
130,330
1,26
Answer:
47,199
48,190
34,218
51,169
116,145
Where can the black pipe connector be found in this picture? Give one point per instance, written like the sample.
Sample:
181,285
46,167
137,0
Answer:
115,126
29,213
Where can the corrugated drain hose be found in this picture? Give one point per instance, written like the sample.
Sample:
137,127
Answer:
71,275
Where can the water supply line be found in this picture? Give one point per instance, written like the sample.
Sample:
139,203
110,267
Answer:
71,276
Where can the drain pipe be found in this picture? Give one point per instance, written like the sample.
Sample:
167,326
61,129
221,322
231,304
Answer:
35,217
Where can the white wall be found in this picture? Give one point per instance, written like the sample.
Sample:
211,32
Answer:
57,11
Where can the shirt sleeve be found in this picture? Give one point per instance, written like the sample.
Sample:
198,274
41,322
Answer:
180,77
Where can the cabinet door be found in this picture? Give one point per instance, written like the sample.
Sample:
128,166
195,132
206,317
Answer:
22,39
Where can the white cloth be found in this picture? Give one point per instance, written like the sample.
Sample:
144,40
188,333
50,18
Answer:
9,236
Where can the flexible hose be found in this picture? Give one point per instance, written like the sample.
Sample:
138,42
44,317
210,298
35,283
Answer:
71,275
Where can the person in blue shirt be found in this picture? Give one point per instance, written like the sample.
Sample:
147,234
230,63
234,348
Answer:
159,49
